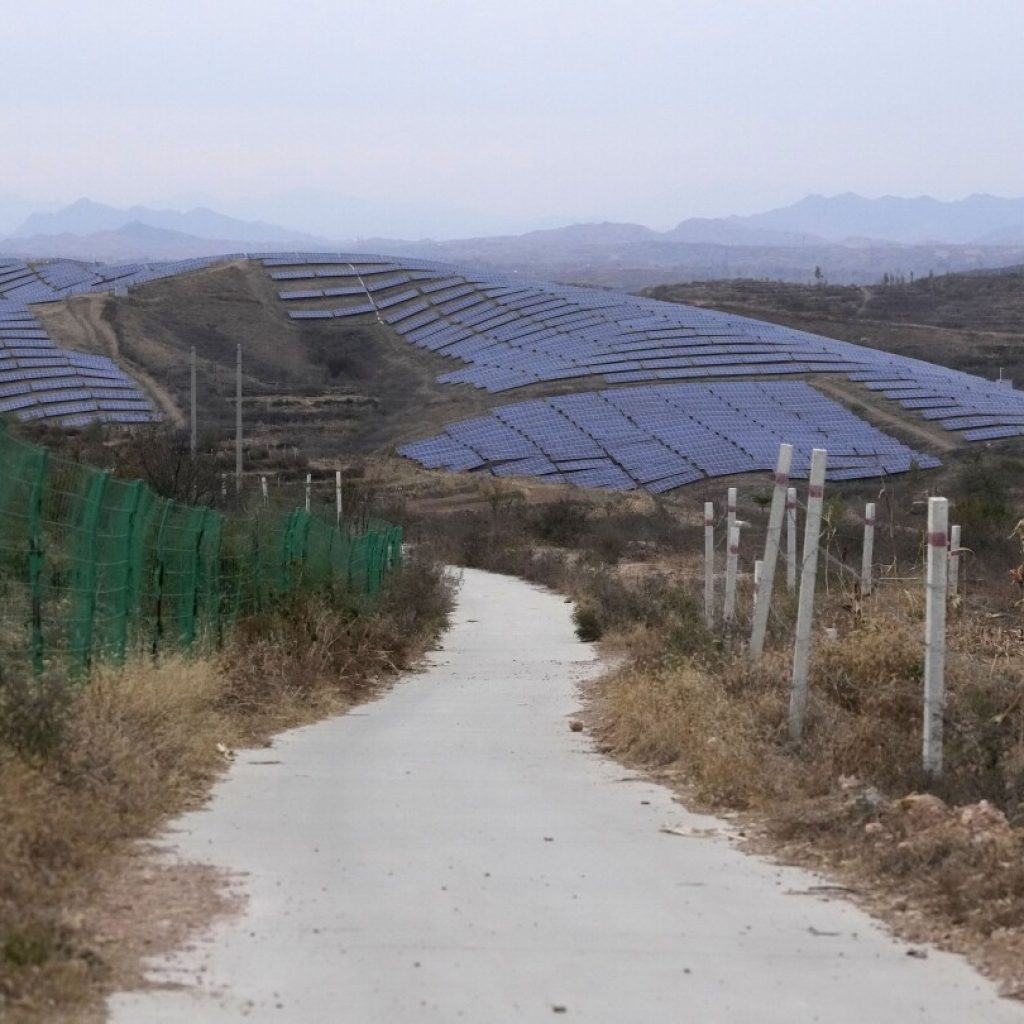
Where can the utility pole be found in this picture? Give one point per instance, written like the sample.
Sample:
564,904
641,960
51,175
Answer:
238,422
192,374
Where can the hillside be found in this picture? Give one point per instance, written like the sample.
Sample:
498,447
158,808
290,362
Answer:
970,322
466,370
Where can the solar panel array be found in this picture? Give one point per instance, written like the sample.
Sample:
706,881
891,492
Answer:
659,437
685,393
507,332
38,380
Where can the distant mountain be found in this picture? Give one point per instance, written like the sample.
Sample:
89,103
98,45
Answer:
1004,236
919,221
86,217
134,242
14,209
733,231
605,233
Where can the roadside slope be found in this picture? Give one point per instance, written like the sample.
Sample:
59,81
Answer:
454,851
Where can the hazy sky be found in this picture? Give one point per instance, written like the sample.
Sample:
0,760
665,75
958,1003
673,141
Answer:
514,112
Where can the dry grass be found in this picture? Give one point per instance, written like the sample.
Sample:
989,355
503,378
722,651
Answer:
90,770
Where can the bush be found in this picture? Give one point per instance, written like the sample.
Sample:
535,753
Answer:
587,623
34,713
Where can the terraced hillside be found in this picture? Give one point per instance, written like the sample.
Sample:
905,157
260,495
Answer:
513,377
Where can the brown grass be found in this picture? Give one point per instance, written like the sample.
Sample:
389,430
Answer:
136,745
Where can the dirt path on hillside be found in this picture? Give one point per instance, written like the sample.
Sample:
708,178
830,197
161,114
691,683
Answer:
79,324
904,423
455,852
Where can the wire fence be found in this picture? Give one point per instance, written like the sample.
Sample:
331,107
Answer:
93,568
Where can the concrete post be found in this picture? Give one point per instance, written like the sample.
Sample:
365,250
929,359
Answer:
791,539
731,566
935,635
758,578
763,595
309,492
263,490
730,510
709,562
805,607
868,555
953,584
337,494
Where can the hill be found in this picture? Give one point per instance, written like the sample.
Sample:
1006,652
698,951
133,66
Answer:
87,218
464,369
970,322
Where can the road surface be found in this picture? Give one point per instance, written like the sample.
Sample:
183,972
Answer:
453,852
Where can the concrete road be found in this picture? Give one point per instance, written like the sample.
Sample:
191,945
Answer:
453,852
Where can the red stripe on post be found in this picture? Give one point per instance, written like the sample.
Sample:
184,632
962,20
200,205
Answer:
709,522
937,540
869,522
814,491
733,551
781,479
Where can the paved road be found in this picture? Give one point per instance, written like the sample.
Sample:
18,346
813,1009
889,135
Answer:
453,852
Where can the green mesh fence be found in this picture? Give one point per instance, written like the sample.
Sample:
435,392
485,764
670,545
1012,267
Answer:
94,568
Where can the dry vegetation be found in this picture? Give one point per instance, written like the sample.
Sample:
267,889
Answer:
86,770
940,858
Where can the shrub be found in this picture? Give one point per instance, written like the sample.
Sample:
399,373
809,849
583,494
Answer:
587,623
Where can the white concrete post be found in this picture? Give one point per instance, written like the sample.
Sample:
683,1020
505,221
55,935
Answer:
337,494
709,562
730,510
309,491
805,606
953,584
791,539
935,635
758,577
868,555
731,565
263,490
763,594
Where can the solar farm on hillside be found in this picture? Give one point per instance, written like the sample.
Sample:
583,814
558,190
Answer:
622,392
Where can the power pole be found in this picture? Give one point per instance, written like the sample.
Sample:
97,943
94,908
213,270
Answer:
192,370
238,422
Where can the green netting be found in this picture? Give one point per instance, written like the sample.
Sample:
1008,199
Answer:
93,568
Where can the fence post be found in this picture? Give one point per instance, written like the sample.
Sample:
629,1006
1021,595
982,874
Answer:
309,492
85,613
731,565
36,556
805,607
869,549
730,510
264,491
709,562
758,577
337,494
954,560
135,492
763,594
935,635
791,539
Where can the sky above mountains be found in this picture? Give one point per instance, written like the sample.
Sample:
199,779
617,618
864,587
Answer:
462,117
